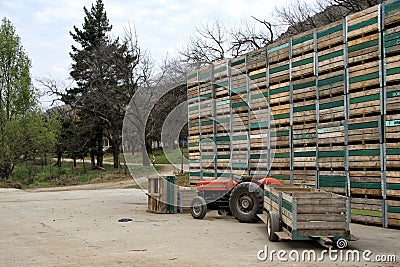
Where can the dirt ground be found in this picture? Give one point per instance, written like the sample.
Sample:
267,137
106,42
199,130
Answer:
80,228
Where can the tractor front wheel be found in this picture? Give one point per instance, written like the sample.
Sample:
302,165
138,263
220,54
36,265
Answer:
198,207
246,201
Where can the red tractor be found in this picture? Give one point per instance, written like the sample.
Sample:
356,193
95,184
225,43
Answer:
242,198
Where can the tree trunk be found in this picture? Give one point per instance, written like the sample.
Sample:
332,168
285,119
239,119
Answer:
59,157
145,157
74,162
92,160
7,170
116,156
99,160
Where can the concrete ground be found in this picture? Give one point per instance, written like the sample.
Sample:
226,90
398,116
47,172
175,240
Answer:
81,228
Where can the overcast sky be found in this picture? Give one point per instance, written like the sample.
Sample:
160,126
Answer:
162,26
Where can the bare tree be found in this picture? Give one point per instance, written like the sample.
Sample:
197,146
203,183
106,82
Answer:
209,43
298,16
353,6
248,36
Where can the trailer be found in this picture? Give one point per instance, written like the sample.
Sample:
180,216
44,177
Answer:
303,213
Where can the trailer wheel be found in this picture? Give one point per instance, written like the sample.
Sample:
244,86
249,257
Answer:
246,201
273,226
198,207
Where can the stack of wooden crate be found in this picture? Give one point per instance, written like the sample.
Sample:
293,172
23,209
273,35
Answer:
279,98
304,108
258,113
320,109
222,118
364,127
239,116
194,128
331,108
391,38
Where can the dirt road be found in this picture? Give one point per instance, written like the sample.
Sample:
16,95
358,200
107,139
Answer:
81,228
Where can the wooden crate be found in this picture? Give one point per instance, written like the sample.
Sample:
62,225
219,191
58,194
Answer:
303,43
304,89
305,175
393,99
303,66
259,101
280,157
162,195
391,11
258,159
393,183
332,109
393,207
391,38
365,182
308,211
364,156
280,137
331,84
362,76
279,93
304,157
392,70
282,174
304,135
364,130
331,157
238,66
329,36
367,211
365,102
331,133
333,181
363,23
278,51
304,112
257,59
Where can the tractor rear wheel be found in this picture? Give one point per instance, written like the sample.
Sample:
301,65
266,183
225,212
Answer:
198,207
246,201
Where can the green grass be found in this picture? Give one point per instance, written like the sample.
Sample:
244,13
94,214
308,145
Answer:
161,156
29,175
